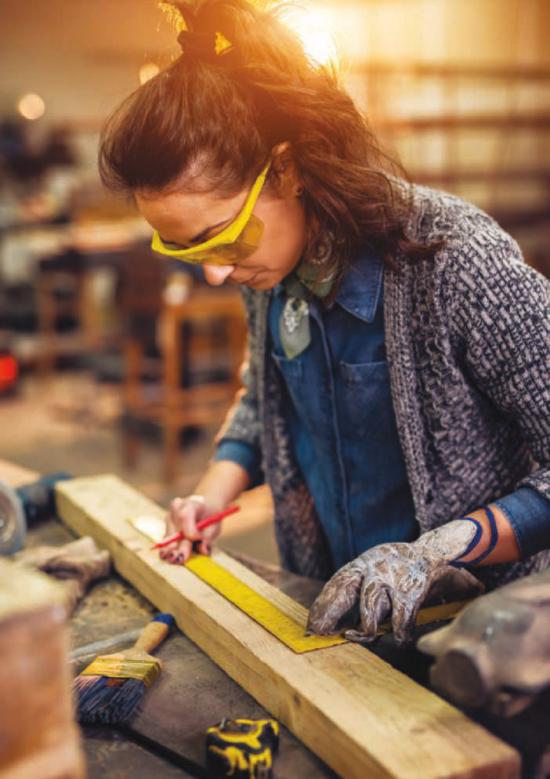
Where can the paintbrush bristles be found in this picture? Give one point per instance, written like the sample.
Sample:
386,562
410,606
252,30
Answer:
105,701
113,696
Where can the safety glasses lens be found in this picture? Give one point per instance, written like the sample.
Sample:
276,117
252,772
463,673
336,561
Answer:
228,253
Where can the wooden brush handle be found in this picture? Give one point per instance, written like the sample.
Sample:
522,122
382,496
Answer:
154,633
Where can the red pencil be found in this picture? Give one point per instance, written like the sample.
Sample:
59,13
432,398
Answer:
200,526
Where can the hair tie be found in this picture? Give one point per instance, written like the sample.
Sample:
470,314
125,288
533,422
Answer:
206,46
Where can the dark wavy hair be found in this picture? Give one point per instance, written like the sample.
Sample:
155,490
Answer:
231,110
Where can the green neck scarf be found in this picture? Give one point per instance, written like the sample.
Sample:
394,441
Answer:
300,286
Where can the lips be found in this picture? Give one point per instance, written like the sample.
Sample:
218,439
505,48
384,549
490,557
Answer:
245,281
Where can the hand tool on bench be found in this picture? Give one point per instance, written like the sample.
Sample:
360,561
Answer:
22,506
13,526
242,748
111,688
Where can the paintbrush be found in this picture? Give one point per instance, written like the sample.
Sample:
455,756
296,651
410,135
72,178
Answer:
111,688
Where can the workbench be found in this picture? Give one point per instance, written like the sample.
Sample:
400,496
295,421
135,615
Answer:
194,693
191,694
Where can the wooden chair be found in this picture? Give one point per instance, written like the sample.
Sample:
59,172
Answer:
60,293
199,338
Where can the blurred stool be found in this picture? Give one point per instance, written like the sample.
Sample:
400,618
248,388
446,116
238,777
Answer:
202,342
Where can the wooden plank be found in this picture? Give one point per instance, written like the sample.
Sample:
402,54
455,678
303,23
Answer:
362,717
38,736
209,571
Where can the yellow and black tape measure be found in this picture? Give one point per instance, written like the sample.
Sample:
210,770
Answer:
242,748
287,629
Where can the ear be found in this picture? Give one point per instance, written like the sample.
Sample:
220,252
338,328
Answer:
286,177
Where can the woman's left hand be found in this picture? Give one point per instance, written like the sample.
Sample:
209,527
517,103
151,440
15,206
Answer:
391,579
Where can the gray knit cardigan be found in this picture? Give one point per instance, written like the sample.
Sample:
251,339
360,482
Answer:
468,348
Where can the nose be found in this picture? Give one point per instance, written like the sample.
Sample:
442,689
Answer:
215,275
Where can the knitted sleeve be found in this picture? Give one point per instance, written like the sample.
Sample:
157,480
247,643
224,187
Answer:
500,311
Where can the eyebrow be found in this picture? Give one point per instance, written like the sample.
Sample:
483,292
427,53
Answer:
200,235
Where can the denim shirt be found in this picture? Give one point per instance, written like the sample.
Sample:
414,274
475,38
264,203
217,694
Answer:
343,428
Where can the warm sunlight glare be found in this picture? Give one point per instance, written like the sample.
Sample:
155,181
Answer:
315,28
148,71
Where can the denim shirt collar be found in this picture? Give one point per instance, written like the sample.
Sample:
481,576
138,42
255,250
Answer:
360,288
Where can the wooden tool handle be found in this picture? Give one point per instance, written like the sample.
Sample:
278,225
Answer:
154,633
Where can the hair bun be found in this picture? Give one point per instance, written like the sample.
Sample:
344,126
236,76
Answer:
207,46
198,44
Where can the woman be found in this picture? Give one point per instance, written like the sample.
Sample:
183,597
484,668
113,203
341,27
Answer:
396,392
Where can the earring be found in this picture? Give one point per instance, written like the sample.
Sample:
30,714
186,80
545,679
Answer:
323,249
298,191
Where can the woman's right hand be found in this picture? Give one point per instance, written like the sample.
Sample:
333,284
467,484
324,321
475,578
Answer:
183,517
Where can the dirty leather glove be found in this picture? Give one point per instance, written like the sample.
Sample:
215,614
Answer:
77,565
397,579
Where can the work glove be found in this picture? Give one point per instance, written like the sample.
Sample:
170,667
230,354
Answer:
395,580
76,565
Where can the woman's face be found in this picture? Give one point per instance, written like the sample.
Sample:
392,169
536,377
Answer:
188,217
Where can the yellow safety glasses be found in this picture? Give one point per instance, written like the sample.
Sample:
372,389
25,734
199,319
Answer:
235,242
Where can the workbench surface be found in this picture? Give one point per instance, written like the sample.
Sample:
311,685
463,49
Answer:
191,694
166,739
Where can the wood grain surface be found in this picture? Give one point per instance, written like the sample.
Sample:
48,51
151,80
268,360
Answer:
361,716
38,737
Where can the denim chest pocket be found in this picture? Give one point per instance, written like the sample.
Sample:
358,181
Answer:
360,373
366,395
363,400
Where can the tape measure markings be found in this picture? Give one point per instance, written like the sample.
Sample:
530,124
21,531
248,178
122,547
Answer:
289,628
261,610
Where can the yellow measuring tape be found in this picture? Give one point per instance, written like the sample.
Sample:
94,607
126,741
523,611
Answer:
263,611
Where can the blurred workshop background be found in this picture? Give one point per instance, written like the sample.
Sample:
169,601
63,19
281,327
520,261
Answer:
112,360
